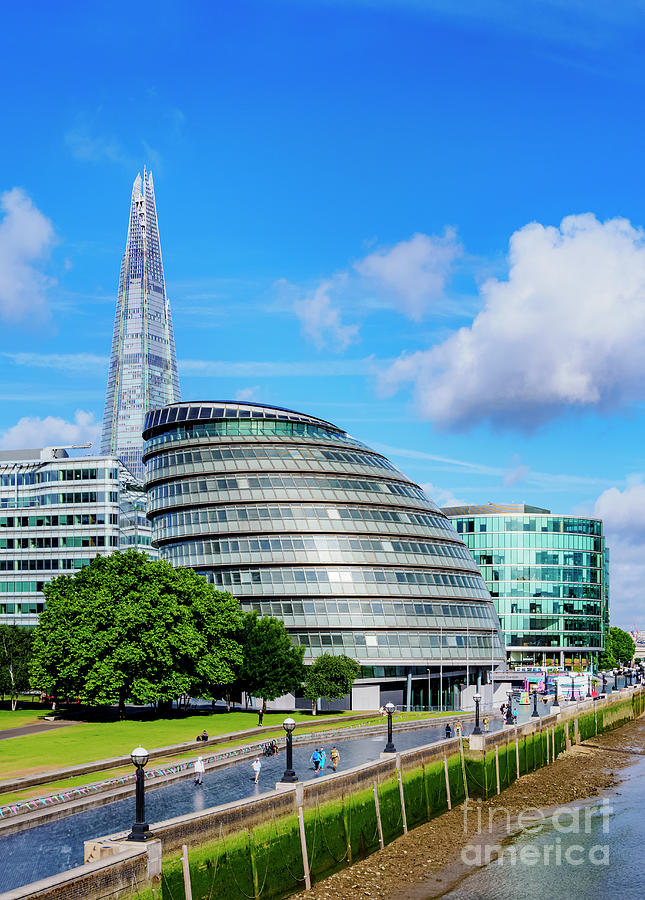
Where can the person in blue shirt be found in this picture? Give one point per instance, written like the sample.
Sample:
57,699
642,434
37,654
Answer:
323,758
315,758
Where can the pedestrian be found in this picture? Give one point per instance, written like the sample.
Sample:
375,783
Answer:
257,765
199,770
485,723
448,730
323,758
515,717
260,716
335,757
315,758
502,709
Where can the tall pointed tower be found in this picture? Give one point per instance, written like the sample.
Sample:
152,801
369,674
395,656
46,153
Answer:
143,366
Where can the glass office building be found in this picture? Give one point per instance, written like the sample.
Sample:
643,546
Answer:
548,576
56,514
143,367
300,521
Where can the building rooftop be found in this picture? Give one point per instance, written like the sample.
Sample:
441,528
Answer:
494,509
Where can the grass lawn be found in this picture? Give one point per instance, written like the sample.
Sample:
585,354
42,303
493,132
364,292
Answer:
83,743
20,717
101,740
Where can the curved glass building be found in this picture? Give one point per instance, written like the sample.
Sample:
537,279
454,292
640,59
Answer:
300,521
548,576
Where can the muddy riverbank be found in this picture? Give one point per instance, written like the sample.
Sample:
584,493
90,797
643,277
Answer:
426,862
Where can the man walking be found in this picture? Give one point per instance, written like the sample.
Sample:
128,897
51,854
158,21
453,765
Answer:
199,770
257,765
335,757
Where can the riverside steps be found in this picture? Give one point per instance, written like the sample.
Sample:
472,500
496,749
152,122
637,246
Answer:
273,845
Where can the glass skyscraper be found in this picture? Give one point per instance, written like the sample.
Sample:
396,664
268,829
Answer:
142,372
301,521
549,578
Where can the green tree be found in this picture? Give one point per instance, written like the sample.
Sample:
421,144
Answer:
15,657
330,677
272,666
129,628
619,649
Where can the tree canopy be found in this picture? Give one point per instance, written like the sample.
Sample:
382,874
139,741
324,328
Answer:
271,665
15,657
618,649
129,628
330,677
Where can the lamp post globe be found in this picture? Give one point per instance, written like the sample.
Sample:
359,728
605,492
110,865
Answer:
140,829
289,776
390,709
477,698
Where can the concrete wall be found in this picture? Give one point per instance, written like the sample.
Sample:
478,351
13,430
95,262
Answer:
113,877
366,696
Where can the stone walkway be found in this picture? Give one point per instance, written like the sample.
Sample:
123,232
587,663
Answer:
7,733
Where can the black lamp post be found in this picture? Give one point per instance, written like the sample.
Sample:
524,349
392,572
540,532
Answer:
477,698
289,776
389,709
604,683
509,708
535,713
588,687
140,829
555,693
573,688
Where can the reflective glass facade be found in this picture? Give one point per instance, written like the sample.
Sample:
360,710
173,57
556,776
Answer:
56,515
299,520
548,576
143,367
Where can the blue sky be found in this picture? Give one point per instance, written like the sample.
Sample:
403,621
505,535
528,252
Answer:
421,224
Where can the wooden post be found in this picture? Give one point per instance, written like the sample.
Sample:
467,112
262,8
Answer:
378,817
497,768
254,871
553,742
404,817
348,837
445,769
188,890
517,753
463,766
303,847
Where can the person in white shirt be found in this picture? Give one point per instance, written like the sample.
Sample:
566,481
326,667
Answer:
257,765
200,768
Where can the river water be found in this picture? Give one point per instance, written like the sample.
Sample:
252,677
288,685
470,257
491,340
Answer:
592,856
58,845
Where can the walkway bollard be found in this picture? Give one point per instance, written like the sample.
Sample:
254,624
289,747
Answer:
497,767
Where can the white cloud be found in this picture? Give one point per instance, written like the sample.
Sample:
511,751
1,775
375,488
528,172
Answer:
623,515
36,432
516,473
441,496
247,393
321,321
566,330
26,237
70,362
413,274
92,147
409,277
323,368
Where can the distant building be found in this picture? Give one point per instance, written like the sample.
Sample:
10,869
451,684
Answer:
56,514
142,371
549,578
301,521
